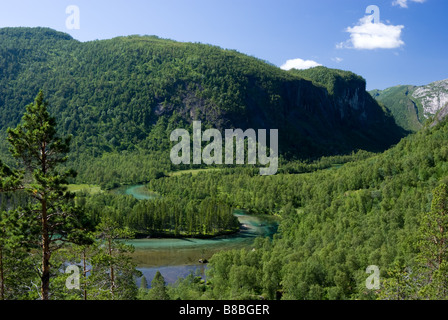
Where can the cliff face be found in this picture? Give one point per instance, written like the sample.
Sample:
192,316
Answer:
441,115
433,97
311,117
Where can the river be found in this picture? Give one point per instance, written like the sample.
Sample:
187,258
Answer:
178,257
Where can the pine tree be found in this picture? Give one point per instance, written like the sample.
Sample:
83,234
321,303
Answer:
428,278
113,270
52,217
144,283
433,245
158,288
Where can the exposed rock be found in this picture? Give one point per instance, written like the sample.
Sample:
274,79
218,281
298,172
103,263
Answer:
433,97
441,115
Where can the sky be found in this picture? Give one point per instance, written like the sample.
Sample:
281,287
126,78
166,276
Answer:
388,42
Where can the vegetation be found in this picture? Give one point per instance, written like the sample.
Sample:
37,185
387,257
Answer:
338,215
333,80
414,106
121,98
51,216
334,223
38,213
408,111
428,278
170,216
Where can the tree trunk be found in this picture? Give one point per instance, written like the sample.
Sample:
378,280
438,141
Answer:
46,254
84,273
2,276
112,275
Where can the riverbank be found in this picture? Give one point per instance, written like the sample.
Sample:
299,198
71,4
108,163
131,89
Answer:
165,252
164,249
172,235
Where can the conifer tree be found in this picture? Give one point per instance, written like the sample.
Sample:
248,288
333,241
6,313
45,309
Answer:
433,246
113,270
158,288
52,217
144,283
428,278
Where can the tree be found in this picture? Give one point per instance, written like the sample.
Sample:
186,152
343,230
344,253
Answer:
158,288
143,290
52,216
433,245
113,271
428,279
144,283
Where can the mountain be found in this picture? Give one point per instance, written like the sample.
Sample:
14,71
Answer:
440,116
413,105
333,223
126,94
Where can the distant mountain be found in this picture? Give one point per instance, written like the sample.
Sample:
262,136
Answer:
413,105
125,94
440,116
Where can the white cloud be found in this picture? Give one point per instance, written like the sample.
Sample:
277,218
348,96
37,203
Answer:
404,3
337,59
368,35
299,64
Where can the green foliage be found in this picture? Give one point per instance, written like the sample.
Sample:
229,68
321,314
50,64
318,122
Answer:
143,283
407,111
334,222
121,98
333,80
113,270
16,262
167,216
158,289
189,288
50,216
428,279
36,212
413,107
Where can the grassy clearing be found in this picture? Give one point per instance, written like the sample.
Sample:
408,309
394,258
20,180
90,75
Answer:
192,171
91,189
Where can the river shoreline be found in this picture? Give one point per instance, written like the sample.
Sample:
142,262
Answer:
182,254
148,236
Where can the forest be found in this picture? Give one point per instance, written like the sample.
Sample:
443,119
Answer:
351,191
119,97
338,216
168,216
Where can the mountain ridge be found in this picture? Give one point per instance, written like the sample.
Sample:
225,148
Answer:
413,105
112,94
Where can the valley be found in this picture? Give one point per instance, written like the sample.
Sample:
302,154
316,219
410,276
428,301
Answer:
87,179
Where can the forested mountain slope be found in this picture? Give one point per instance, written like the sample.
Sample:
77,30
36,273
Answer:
413,105
334,223
126,94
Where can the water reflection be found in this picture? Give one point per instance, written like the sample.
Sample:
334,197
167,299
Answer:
178,257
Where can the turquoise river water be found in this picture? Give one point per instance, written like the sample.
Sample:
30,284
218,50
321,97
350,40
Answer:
178,257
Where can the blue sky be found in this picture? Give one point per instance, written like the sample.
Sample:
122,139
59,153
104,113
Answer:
408,45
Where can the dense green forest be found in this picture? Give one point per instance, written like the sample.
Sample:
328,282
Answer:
335,221
408,111
343,202
119,98
168,216
334,224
